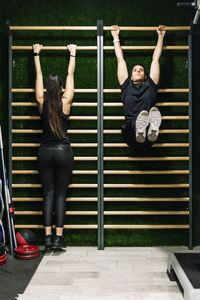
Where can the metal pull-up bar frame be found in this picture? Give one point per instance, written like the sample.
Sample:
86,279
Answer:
108,28
100,130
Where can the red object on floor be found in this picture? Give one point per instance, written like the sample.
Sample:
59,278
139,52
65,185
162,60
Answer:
3,259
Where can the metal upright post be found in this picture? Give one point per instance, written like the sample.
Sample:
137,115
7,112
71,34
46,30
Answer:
10,81
100,134
190,42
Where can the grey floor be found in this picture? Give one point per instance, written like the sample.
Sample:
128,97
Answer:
86,273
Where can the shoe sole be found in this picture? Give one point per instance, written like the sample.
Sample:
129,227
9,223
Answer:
59,248
155,122
48,249
152,136
141,124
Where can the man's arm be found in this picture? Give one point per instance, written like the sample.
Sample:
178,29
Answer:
68,95
39,88
155,66
122,71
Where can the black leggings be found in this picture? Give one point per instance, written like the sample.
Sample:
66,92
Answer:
55,168
129,136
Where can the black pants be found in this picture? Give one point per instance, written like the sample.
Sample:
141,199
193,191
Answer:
129,136
55,167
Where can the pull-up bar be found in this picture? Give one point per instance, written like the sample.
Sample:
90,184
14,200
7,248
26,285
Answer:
168,90
124,28
105,48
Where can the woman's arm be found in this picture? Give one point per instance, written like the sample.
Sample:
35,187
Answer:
122,71
39,88
68,95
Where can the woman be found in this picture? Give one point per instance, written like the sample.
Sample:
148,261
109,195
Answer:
55,156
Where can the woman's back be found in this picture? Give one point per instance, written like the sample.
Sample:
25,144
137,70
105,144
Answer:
48,137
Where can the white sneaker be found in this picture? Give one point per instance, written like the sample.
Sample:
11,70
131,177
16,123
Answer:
141,124
155,120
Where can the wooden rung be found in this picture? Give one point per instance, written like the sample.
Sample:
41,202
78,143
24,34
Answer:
64,48
107,145
30,90
75,145
53,27
168,90
25,145
76,158
119,104
106,213
84,118
80,226
106,185
160,104
94,131
27,213
149,213
70,118
161,131
162,158
70,199
146,199
166,131
37,185
75,172
71,213
106,104
80,172
27,199
82,199
82,213
24,104
109,28
89,118
84,104
25,172
175,117
142,172
111,172
185,226
25,118
160,145
132,185
179,47
114,118
35,131
32,226
70,131
82,131
149,28
109,199
112,158
79,104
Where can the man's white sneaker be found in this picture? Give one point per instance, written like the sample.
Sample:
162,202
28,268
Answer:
155,120
141,124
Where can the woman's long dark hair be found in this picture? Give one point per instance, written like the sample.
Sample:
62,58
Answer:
53,87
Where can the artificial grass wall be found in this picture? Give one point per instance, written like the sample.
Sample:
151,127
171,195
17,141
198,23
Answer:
174,66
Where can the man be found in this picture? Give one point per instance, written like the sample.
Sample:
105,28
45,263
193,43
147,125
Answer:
138,94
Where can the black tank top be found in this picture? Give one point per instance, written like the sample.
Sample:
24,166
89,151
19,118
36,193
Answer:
48,136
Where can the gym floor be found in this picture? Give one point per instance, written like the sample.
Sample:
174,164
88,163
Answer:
85,273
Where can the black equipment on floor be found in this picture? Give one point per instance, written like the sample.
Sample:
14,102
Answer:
8,203
184,268
2,232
